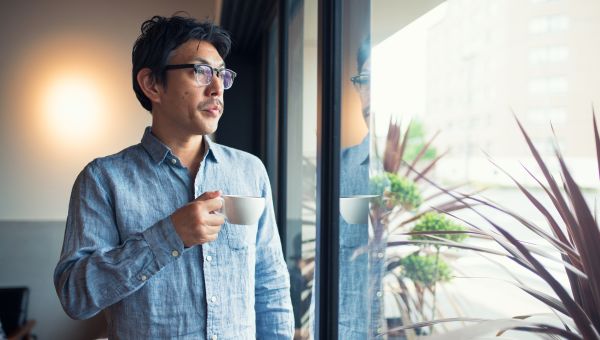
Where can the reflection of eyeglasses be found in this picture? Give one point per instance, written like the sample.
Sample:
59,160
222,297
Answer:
204,73
361,81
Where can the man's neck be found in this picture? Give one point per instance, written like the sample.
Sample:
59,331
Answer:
188,148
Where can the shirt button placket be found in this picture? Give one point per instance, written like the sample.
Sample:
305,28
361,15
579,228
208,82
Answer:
210,291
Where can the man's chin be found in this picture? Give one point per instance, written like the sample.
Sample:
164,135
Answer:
209,130
203,129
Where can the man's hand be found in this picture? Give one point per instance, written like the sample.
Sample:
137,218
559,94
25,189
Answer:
196,222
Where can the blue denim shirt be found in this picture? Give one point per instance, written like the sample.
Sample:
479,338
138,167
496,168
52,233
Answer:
361,263
121,254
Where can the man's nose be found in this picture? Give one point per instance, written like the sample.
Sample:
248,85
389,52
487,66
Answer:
215,88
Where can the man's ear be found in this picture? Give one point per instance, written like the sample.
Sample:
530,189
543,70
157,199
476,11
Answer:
148,84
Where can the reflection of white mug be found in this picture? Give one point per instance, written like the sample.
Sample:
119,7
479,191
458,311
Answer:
242,209
355,209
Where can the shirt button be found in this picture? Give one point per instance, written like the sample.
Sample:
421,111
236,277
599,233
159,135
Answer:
380,255
379,294
208,258
214,337
173,161
379,330
143,278
213,299
175,253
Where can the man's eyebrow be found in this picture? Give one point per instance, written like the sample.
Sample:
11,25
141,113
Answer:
204,61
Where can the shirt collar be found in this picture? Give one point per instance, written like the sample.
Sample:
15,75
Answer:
214,150
159,151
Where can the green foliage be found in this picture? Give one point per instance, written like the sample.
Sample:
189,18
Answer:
425,270
379,184
396,190
404,191
416,141
433,221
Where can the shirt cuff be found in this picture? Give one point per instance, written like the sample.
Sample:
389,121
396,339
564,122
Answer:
164,241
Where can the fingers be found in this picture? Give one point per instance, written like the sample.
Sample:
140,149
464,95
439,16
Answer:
208,205
213,205
214,220
210,233
210,200
208,195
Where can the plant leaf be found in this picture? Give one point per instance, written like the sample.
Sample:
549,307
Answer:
428,167
596,139
590,234
483,327
575,311
421,152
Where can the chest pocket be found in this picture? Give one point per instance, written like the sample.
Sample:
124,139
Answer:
240,237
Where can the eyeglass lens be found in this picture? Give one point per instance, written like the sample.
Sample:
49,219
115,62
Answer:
362,79
204,75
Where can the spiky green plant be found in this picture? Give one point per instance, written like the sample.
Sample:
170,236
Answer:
575,235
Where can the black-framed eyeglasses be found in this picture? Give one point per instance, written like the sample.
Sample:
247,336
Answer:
204,73
361,81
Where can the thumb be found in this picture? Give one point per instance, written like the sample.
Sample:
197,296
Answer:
208,195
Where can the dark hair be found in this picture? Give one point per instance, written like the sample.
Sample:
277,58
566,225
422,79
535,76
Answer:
160,36
364,52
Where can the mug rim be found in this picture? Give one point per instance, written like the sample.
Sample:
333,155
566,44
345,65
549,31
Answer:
242,196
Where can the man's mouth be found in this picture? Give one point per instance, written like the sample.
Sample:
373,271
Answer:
213,110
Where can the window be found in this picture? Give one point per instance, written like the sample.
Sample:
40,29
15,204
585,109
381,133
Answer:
430,66
549,24
554,115
548,85
536,2
548,55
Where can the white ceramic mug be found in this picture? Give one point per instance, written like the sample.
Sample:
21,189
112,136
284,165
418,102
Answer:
242,209
355,209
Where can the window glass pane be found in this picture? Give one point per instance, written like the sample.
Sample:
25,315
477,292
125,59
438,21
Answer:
456,73
359,283
301,155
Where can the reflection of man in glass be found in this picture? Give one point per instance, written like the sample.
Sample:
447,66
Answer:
361,263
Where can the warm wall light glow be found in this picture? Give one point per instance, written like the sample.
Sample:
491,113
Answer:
73,106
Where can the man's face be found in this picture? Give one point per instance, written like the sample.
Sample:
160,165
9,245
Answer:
185,106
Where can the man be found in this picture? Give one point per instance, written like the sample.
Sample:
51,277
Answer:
361,259
144,242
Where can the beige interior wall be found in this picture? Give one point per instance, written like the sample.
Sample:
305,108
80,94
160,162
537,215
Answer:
41,43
